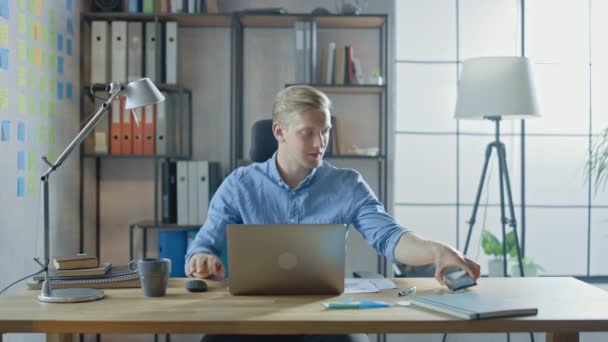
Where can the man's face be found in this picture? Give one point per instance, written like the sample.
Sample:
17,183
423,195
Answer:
305,138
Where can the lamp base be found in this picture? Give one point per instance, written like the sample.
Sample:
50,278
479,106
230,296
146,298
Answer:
75,295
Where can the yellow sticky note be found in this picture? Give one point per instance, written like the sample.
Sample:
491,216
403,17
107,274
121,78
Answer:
22,4
51,109
42,134
21,103
31,107
38,56
43,108
52,16
3,33
21,50
37,32
21,76
3,98
21,23
38,7
31,79
51,135
31,161
31,185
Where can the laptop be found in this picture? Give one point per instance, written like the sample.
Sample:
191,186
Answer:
286,259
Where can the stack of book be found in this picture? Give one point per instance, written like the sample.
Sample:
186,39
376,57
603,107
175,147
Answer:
86,271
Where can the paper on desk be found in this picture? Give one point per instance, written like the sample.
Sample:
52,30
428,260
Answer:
360,285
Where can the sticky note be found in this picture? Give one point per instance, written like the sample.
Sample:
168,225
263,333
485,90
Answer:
21,103
31,107
30,5
52,84
30,55
51,109
22,4
21,76
31,79
59,42
60,64
42,134
3,33
4,58
43,34
68,5
6,130
51,37
59,90
43,83
38,7
68,46
38,56
51,134
3,98
37,32
4,12
52,16
52,61
69,90
20,187
20,160
51,154
31,185
43,107
21,50
70,25
21,131
31,161
21,23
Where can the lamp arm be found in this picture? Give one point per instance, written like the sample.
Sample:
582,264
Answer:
115,90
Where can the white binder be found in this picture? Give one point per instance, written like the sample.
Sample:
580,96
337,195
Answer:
99,51
164,125
193,184
182,193
171,52
119,51
135,50
177,6
150,65
203,190
102,131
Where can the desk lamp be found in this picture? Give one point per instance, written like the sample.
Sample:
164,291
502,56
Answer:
138,94
497,88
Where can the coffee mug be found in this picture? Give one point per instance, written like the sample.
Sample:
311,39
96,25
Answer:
153,275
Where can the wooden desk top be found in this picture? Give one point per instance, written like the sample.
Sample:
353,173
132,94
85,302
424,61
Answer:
564,305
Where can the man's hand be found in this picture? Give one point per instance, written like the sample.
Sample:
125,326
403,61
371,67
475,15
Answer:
446,256
203,265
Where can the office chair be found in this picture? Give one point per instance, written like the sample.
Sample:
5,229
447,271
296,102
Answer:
263,142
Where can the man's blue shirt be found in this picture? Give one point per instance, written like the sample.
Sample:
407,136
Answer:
257,194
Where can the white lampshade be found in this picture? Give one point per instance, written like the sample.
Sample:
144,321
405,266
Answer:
142,93
496,87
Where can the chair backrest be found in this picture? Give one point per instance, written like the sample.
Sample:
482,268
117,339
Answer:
263,142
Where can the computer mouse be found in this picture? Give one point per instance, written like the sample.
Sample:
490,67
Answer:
196,285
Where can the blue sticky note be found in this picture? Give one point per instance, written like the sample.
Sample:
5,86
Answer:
69,89
59,41
21,160
4,58
60,64
20,186
70,25
68,5
4,9
21,131
6,130
68,46
59,90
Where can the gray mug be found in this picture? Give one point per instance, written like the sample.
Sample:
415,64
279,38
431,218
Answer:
153,275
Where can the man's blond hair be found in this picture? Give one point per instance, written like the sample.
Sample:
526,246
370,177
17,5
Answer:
298,99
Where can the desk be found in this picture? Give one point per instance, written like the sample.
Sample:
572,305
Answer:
566,306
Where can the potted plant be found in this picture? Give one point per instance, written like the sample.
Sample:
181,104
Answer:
531,268
492,247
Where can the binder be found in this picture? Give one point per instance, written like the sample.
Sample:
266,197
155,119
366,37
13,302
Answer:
300,51
177,6
138,131
339,65
169,192
182,193
115,126
171,52
134,51
149,126
208,182
165,126
126,128
150,64
99,51
193,184
331,49
134,6
173,245
147,6
101,133
119,51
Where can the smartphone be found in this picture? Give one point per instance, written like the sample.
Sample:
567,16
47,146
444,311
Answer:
458,280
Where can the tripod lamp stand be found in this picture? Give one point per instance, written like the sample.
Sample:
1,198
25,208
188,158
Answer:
138,94
497,88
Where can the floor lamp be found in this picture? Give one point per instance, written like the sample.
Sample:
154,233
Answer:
497,88
138,94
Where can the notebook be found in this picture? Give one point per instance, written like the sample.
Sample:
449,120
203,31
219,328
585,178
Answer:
280,259
472,305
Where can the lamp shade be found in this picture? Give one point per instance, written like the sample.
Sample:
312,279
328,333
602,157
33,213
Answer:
496,87
141,93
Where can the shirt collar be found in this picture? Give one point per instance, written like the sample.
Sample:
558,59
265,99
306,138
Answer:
276,176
